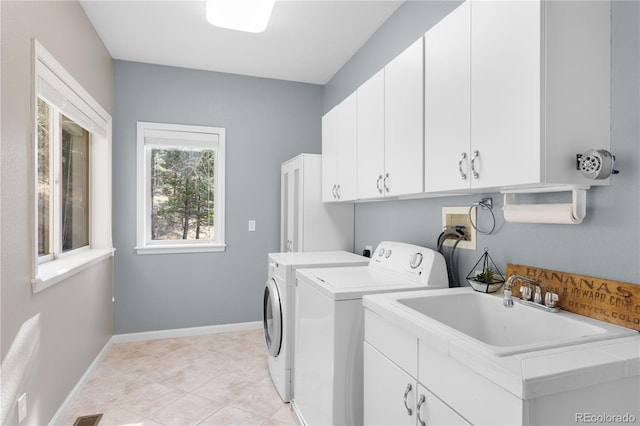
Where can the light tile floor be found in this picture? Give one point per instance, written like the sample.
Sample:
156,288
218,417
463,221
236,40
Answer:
214,379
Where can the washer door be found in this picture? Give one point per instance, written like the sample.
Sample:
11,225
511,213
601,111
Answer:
272,318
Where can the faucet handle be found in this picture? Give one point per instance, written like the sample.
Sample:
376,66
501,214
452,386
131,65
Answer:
507,301
537,298
525,291
550,299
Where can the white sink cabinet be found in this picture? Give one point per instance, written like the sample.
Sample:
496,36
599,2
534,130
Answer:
514,91
392,393
339,139
390,128
464,385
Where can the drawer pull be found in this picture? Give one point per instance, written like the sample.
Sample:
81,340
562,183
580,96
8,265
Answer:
406,393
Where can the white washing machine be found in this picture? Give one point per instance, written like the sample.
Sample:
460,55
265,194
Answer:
278,306
330,327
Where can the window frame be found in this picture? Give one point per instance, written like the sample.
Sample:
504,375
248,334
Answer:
182,136
56,86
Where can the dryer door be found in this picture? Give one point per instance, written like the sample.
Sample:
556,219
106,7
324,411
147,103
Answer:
272,318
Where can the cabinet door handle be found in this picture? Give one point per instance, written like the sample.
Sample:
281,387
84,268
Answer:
333,191
378,184
421,401
406,393
386,182
463,175
338,191
476,154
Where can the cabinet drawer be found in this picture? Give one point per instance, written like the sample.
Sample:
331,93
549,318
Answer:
392,341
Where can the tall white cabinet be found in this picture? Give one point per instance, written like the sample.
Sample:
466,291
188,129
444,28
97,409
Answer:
308,224
514,91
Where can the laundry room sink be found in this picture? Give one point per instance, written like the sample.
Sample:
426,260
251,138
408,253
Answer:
483,320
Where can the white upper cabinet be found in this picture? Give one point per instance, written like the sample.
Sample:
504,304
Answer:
506,93
497,95
371,172
339,138
390,135
330,154
447,102
403,122
513,92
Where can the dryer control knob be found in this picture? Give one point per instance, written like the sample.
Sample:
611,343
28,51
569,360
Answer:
381,252
388,253
416,260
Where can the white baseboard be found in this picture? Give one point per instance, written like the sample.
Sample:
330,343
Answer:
137,337
185,332
58,417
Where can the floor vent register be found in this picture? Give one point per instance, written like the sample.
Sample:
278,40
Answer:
91,420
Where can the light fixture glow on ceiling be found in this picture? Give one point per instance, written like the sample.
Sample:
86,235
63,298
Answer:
241,15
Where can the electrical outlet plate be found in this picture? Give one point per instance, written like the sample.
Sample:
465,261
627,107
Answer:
459,216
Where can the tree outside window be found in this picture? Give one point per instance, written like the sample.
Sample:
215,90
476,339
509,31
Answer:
182,183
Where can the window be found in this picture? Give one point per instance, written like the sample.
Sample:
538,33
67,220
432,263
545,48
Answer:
63,184
180,188
72,137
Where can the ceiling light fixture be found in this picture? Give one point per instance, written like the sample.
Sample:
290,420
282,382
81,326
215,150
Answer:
242,15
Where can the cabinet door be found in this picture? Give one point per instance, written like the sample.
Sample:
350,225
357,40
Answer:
389,392
506,92
347,149
330,154
432,411
371,137
291,205
447,100
285,207
295,205
404,141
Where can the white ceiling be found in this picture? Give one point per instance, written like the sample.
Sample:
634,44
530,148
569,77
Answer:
306,40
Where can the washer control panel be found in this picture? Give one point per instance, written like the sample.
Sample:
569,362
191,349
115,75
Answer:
416,263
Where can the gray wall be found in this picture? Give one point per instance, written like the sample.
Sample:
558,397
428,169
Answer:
267,122
605,245
49,339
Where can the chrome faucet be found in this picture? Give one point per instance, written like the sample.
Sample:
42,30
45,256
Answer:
550,298
508,300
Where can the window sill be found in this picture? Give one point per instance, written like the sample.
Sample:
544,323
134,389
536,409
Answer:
53,272
180,248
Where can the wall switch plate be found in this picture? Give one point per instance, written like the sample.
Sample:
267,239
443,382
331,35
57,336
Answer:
22,407
459,216
252,226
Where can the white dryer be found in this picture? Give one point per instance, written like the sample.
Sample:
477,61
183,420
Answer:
330,327
278,307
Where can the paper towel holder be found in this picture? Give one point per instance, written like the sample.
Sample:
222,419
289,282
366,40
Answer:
578,197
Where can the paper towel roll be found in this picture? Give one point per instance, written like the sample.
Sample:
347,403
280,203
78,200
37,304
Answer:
540,213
